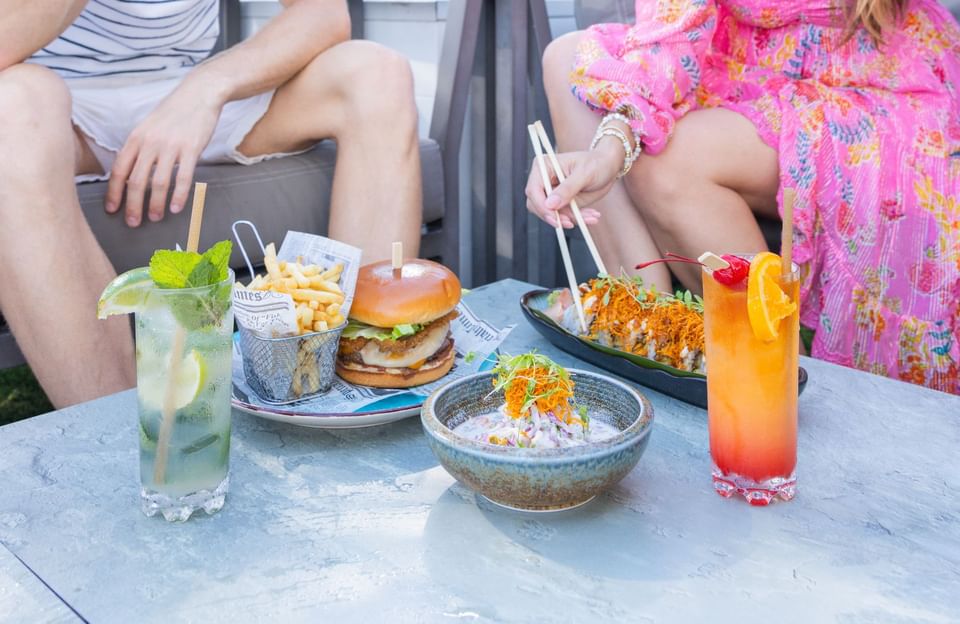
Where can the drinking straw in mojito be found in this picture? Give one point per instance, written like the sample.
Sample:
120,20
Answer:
751,330
184,326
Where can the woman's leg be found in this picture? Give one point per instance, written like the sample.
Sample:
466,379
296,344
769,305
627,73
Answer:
621,234
701,192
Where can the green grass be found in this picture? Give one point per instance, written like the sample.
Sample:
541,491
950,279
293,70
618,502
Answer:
20,395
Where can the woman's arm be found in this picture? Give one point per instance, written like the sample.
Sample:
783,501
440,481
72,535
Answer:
28,25
649,71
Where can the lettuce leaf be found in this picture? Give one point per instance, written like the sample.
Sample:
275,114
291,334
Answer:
404,330
356,329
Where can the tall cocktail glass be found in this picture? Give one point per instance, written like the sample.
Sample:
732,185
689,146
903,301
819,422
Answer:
751,394
184,342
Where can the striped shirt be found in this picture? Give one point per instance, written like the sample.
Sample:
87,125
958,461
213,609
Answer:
112,37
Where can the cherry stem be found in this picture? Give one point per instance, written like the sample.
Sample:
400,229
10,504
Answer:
671,257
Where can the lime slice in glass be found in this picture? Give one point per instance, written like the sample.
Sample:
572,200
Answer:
125,294
186,387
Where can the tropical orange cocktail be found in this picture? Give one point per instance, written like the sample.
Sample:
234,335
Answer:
752,334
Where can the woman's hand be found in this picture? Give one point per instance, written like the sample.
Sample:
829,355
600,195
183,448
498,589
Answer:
589,177
173,135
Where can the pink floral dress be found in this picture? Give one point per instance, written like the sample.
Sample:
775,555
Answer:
868,137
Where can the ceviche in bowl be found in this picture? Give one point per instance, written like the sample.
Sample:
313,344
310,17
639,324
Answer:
534,436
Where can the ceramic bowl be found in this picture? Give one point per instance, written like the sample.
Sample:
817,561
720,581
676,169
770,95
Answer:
538,479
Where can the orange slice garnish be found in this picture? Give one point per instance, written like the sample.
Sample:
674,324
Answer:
767,304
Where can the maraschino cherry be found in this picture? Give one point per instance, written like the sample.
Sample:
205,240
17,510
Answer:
731,275
738,271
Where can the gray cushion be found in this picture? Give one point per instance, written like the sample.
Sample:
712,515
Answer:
290,193
589,12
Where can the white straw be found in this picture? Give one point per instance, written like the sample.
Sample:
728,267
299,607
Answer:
573,203
561,238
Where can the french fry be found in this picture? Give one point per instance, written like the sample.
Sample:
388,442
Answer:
320,326
336,321
322,284
296,385
302,281
333,309
303,294
314,305
310,270
333,273
270,261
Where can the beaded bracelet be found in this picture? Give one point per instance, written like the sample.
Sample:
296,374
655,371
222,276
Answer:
637,141
627,150
606,128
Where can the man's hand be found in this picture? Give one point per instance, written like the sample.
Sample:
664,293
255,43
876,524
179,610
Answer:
174,134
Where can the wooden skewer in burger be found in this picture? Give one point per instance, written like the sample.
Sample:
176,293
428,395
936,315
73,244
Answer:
398,334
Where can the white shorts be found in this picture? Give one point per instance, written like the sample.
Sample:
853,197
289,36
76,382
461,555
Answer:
107,110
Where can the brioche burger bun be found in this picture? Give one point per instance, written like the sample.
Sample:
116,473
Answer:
398,334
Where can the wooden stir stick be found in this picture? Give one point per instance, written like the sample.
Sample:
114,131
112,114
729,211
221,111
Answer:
176,350
561,238
397,256
786,235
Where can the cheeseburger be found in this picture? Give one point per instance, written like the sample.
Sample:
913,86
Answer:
398,335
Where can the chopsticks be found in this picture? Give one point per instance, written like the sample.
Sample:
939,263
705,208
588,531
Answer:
561,237
541,131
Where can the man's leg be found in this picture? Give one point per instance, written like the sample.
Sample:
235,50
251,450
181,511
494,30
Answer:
701,192
53,268
361,95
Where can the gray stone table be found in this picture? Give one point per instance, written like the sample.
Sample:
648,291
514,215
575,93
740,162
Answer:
364,525
24,597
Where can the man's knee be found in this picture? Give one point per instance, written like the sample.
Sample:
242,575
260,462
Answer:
34,99
380,84
558,61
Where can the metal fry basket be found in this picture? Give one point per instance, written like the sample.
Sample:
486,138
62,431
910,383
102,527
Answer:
284,370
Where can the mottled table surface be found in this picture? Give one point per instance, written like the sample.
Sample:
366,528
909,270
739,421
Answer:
24,597
363,525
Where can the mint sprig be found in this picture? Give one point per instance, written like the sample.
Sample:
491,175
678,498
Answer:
171,269
188,269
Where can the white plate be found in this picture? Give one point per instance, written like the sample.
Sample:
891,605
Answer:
352,420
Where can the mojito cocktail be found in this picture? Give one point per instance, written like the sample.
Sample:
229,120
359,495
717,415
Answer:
184,329
193,473
752,333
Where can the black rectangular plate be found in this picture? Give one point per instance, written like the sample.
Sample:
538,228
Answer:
688,388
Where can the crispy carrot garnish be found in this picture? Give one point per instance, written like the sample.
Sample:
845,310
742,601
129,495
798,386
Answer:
533,379
631,315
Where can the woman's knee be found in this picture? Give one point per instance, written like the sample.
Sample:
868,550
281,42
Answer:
558,61
34,99
657,184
